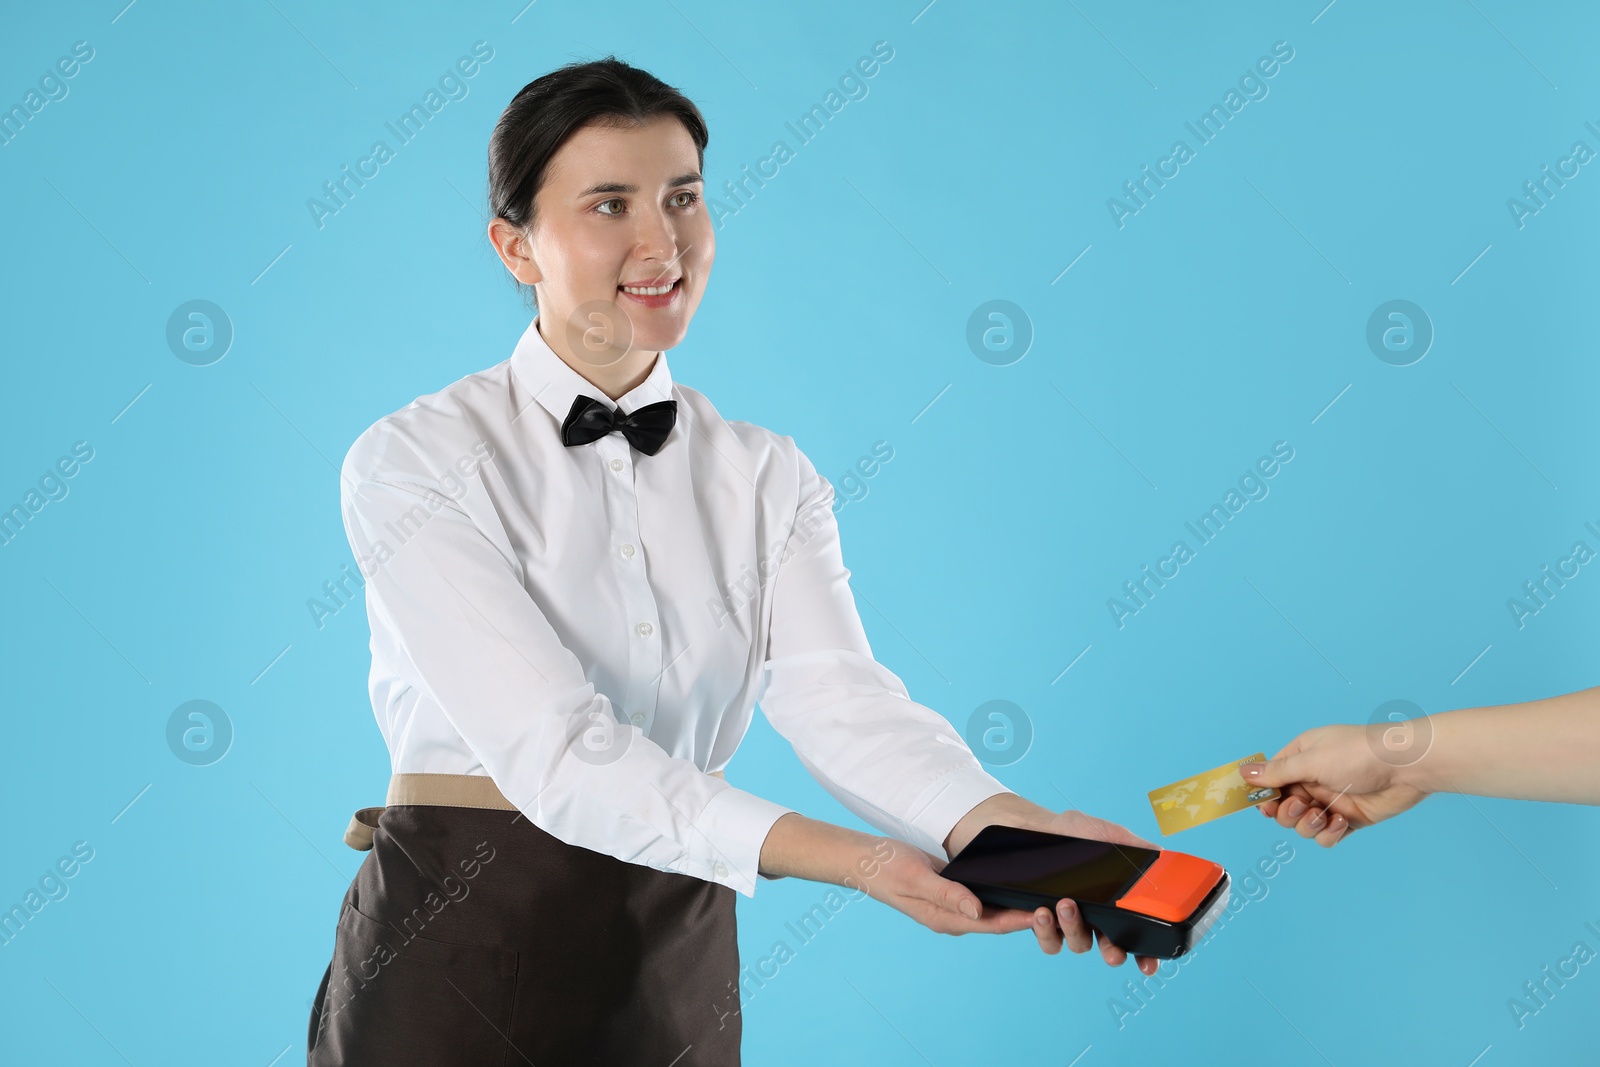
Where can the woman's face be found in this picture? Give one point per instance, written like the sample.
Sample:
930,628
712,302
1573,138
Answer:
621,208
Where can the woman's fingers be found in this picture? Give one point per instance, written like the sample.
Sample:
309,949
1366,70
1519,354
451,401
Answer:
1334,832
1004,920
1287,793
1313,822
964,904
1074,930
1303,815
1045,929
991,920
1116,957
949,907
957,898
1291,809
1079,937
1326,828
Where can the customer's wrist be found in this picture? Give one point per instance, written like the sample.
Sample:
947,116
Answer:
1427,770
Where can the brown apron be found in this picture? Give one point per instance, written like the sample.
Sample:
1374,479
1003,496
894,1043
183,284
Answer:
471,936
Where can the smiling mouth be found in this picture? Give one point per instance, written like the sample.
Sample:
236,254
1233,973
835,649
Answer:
651,290
653,296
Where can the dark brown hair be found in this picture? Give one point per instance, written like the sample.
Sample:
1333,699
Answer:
553,107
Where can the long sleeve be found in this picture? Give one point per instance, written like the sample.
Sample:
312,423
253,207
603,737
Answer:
472,637
898,765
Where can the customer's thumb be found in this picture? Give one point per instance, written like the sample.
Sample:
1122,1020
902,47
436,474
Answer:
1274,772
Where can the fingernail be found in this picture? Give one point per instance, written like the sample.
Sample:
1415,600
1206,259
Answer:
1067,910
1251,770
969,909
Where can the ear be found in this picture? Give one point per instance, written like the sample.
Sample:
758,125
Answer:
514,251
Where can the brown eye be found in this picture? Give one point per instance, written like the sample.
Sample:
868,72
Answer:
613,200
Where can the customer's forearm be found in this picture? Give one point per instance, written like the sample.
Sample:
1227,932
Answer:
1540,750
800,847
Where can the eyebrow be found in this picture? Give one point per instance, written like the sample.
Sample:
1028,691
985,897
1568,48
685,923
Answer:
621,187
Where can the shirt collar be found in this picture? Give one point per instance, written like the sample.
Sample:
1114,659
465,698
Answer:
554,384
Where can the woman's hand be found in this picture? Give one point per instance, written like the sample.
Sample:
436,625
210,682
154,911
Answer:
909,882
1066,925
1333,769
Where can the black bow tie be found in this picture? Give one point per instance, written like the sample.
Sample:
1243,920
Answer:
645,428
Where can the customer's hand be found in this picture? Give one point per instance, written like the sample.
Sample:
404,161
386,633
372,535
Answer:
1333,781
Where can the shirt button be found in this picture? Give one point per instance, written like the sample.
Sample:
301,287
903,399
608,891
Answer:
627,551
645,629
719,869
616,464
637,718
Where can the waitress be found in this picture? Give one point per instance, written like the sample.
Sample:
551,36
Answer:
581,580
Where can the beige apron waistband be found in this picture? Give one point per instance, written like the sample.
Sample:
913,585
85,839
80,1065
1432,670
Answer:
432,790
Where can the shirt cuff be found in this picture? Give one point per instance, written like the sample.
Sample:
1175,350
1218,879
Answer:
737,823
945,802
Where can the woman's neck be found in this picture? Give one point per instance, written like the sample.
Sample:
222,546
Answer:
615,379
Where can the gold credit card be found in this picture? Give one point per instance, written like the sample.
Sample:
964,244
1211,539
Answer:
1207,796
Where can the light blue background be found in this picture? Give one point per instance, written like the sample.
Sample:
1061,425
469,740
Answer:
1223,317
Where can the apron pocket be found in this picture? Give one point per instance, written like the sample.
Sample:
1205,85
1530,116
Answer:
398,998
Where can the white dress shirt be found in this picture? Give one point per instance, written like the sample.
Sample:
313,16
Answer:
526,598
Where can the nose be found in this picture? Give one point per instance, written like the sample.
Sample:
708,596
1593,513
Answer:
657,237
